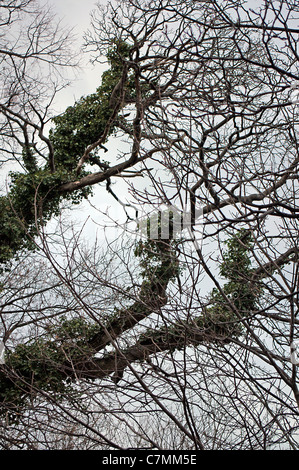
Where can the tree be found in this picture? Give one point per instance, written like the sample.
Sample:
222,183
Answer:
190,330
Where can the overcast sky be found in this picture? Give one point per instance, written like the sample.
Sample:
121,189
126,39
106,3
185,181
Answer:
76,14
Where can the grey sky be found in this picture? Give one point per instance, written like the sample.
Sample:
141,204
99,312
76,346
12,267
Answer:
75,14
74,11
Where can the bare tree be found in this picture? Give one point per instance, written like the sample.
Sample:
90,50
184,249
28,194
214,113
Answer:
35,54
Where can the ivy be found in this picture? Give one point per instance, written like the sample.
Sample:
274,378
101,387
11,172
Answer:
41,363
221,318
157,259
32,200
29,159
236,261
240,292
83,123
46,363
34,196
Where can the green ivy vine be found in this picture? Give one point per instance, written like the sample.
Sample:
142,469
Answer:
34,196
221,317
44,363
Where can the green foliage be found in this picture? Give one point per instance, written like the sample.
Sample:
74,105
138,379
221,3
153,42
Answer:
41,363
158,259
240,292
34,196
83,123
79,126
33,199
46,363
12,232
222,319
41,190
29,159
236,260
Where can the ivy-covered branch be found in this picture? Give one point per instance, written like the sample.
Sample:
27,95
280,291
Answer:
36,195
67,351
